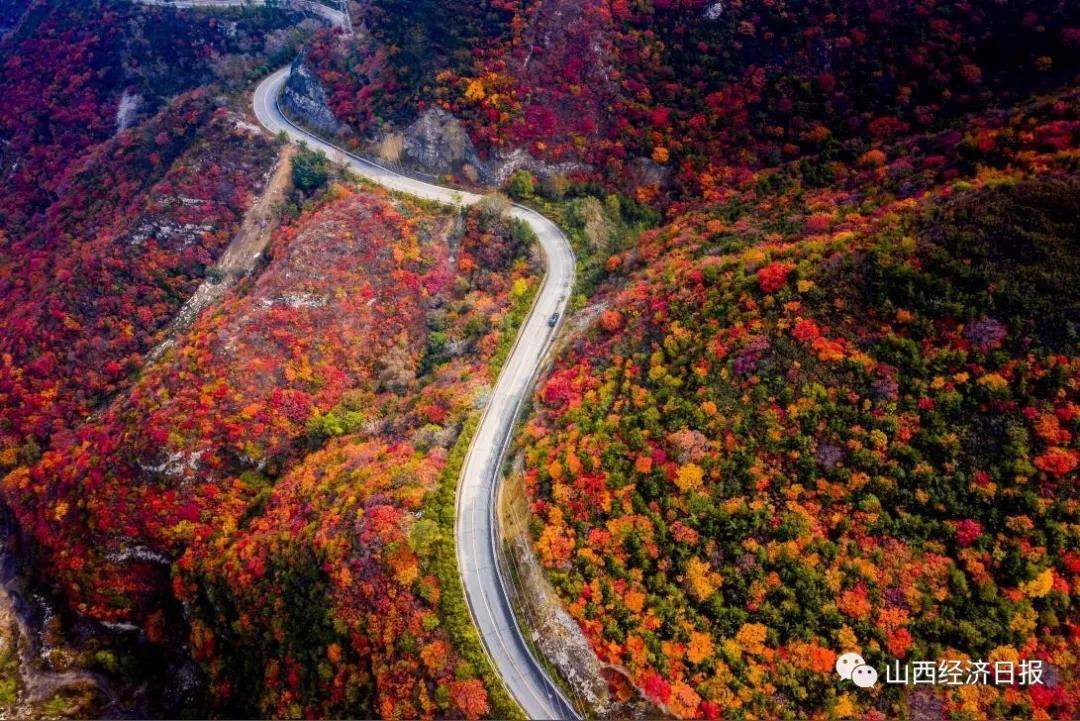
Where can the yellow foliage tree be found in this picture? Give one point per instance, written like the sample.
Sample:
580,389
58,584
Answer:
700,647
752,637
1038,586
689,477
474,92
697,578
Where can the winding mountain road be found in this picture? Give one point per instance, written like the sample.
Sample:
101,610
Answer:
477,544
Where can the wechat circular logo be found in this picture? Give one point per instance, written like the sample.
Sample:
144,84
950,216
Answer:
852,667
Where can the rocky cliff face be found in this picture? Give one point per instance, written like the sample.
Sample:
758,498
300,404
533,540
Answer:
304,98
437,143
504,164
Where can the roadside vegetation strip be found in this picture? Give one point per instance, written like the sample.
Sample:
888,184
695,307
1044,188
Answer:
443,506
455,609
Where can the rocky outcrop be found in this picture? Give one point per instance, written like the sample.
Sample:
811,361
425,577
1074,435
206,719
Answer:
39,676
437,143
504,165
304,99
127,110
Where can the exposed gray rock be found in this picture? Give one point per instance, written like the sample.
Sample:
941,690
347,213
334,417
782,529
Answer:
714,11
127,110
646,171
505,165
438,144
304,98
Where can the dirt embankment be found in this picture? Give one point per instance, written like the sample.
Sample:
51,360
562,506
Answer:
243,253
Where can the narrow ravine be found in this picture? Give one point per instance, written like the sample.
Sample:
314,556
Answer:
22,629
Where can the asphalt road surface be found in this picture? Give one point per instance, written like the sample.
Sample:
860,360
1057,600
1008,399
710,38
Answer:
477,548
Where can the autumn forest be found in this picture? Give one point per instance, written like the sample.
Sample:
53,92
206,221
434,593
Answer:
816,388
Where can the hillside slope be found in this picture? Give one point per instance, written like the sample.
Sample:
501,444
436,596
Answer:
282,453
830,402
809,420
677,99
